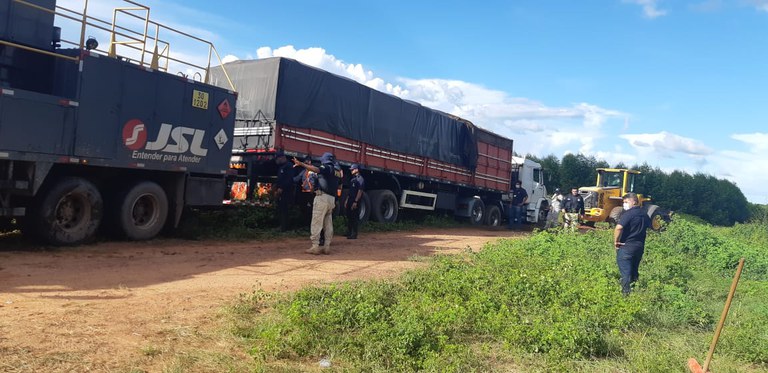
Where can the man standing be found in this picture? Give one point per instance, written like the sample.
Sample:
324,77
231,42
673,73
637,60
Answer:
356,187
573,204
285,189
518,197
323,204
629,240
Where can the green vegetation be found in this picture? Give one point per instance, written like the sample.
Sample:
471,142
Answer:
548,303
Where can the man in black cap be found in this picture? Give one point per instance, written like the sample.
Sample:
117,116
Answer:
356,187
324,202
284,193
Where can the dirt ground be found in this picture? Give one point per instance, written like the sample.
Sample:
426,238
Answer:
148,306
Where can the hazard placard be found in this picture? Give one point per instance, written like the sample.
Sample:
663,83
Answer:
200,99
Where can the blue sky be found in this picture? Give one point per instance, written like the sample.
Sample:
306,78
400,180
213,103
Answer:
677,84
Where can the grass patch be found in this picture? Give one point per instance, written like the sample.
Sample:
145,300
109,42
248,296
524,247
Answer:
545,304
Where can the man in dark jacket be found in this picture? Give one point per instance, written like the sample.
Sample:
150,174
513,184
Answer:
573,205
285,191
518,199
324,202
352,207
629,240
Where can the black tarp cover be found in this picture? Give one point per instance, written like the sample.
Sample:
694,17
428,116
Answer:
298,95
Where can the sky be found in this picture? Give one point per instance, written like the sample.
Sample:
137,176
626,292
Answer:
679,85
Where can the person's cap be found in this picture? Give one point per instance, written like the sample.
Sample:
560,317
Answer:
280,153
518,183
354,166
557,190
327,157
307,158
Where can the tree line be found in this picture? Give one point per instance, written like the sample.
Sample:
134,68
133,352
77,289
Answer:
716,201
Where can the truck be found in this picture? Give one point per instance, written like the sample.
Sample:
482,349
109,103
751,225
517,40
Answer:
603,201
105,138
413,157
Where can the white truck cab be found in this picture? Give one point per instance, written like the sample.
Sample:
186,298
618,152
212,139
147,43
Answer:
531,175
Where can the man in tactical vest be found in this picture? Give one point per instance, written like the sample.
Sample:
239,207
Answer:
356,187
324,202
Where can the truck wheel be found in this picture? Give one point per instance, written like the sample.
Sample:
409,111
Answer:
615,215
143,211
493,217
69,212
476,211
384,206
541,221
365,208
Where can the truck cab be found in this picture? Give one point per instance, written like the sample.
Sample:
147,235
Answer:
531,175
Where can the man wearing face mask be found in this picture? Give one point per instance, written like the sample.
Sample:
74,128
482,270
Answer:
629,240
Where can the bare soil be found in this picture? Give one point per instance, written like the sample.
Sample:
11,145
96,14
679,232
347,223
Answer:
157,305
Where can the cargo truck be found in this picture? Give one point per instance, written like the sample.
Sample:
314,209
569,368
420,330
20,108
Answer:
413,157
105,137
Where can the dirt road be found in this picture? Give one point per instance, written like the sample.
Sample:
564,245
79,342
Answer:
132,307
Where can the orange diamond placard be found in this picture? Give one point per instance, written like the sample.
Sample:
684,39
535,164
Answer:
224,109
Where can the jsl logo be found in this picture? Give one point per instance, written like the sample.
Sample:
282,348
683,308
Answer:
169,139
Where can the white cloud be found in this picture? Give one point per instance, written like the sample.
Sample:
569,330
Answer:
229,58
650,8
664,142
758,142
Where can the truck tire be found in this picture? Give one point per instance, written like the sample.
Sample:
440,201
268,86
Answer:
143,211
615,215
384,206
365,208
541,220
476,211
69,212
493,216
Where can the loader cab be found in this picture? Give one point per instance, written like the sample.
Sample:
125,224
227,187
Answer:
619,180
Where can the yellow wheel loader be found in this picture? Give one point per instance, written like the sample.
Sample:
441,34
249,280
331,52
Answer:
603,202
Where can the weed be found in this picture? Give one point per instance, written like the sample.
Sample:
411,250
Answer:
548,303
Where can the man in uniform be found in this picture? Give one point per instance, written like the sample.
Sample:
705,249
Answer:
573,205
629,240
519,197
356,187
324,202
284,193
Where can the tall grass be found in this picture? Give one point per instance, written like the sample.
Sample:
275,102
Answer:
548,303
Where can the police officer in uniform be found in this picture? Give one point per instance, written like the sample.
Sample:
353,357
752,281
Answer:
324,202
518,200
573,205
285,191
352,206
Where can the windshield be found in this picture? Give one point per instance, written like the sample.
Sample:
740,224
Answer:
608,179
